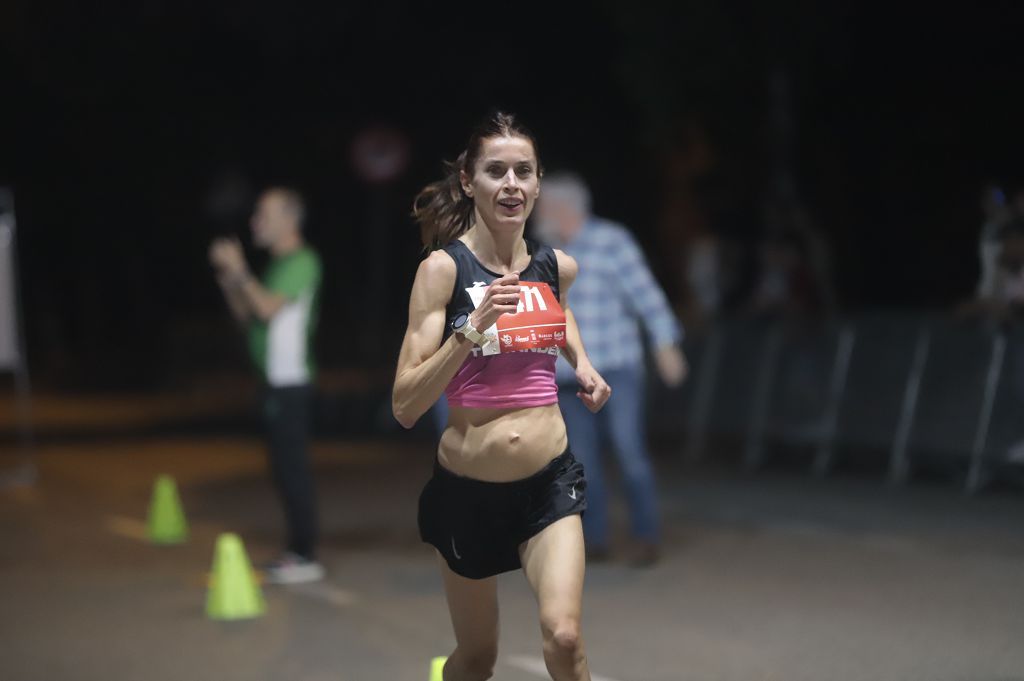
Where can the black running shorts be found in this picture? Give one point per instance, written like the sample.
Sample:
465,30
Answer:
478,526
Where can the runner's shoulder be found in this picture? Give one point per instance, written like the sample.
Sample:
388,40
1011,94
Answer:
568,268
437,270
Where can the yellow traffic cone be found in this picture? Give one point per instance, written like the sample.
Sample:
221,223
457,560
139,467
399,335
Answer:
233,593
437,668
166,524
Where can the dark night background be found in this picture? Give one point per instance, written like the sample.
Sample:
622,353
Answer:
119,119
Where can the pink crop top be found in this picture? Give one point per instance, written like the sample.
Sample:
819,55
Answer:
518,368
516,379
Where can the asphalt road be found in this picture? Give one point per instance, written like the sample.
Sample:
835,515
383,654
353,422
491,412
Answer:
776,577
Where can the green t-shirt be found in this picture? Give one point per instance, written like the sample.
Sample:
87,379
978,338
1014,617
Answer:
283,347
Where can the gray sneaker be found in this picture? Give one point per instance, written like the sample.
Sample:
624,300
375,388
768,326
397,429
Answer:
291,568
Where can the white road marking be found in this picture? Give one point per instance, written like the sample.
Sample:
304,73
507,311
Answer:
535,665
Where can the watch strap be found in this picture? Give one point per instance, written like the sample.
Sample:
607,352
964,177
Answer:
474,336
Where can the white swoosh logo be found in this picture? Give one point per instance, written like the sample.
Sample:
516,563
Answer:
572,494
455,551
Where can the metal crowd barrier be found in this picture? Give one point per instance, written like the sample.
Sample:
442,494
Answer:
931,393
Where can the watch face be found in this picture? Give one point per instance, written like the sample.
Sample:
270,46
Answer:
460,320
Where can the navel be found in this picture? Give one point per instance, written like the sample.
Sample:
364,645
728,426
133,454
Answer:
513,438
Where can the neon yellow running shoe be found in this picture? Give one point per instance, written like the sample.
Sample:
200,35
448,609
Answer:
437,668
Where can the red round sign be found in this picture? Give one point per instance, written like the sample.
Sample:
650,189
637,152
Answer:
380,154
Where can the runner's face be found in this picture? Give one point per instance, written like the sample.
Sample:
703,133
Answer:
505,182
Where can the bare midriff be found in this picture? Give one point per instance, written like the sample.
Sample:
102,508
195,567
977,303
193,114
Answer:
501,445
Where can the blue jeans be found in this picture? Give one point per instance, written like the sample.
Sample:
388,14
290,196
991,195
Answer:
621,423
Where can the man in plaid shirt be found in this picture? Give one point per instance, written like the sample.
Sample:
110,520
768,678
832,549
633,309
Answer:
614,297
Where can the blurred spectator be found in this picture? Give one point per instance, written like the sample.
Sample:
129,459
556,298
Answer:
996,214
613,297
712,254
1008,304
682,225
794,276
280,313
1008,289
785,285
703,271
1000,293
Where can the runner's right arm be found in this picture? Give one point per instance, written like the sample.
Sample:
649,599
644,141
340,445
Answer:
424,369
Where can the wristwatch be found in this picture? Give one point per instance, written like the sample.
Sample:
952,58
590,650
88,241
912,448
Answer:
461,325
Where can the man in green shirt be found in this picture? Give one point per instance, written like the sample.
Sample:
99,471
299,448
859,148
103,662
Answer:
280,312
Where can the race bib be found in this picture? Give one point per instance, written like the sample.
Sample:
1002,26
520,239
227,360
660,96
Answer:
538,323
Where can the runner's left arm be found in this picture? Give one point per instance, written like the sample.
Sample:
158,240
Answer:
594,391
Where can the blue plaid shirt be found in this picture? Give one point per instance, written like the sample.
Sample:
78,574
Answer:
613,296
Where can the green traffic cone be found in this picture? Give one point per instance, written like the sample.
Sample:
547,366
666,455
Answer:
437,668
166,524
233,593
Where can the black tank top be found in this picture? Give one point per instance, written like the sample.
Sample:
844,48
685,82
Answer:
469,272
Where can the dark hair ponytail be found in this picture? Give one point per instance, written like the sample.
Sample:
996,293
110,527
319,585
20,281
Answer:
442,209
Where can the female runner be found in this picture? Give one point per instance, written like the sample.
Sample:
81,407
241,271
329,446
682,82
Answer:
506,491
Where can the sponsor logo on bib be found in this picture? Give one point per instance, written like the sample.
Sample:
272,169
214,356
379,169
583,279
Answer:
538,323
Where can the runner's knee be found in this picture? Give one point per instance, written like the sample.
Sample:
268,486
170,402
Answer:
562,635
